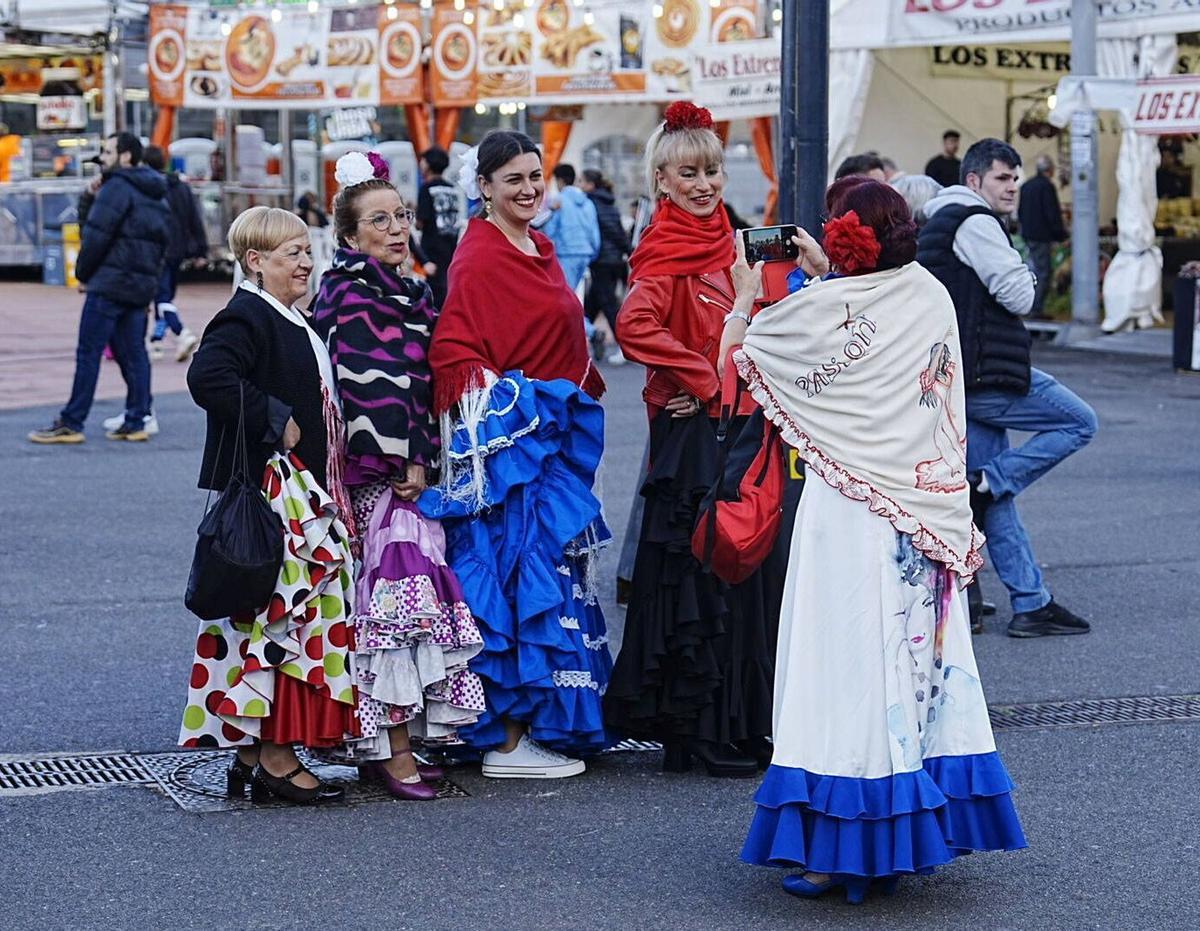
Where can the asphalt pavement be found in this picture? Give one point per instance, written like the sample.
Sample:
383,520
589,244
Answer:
95,647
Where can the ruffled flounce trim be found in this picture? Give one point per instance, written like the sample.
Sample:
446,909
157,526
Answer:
521,542
858,489
905,823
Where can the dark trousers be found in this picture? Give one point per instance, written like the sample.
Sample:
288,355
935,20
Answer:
123,326
1039,261
602,295
438,284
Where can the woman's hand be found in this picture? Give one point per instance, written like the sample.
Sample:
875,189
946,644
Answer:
291,435
410,487
812,260
684,405
747,279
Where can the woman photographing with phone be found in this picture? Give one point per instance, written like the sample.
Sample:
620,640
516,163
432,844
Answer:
696,667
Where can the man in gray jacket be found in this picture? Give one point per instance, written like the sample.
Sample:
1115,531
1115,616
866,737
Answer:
965,245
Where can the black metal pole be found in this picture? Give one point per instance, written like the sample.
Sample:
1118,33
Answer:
804,114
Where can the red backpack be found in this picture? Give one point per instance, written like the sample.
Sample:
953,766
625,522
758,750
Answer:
739,518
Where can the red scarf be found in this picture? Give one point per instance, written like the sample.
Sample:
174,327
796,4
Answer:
507,310
680,243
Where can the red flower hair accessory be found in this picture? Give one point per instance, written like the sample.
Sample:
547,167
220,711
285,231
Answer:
380,166
684,115
850,244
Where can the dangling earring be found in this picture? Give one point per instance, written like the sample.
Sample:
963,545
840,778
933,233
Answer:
259,280
487,206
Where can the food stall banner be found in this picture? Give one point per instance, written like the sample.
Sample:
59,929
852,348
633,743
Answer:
1167,106
453,61
933,21
738,80
287,58
560,52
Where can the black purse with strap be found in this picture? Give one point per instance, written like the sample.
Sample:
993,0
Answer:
239,549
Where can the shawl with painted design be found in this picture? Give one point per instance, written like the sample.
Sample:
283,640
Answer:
863,376
378,325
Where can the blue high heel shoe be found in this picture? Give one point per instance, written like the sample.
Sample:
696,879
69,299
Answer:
855,886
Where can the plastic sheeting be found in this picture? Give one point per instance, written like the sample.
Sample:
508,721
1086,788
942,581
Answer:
850,73
1133,282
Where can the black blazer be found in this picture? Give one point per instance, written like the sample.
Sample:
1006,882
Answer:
249,343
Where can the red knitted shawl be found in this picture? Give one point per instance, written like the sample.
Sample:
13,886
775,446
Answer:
680,243
507,310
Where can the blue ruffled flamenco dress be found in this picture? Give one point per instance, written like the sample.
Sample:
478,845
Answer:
522,542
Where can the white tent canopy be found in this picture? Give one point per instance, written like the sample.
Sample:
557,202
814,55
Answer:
68,17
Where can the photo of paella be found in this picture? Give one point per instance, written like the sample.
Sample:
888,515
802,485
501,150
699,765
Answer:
734,25
249,52
166,54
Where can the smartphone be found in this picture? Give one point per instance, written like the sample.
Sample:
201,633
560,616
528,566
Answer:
771,243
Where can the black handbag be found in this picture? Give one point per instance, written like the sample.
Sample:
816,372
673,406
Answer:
240,546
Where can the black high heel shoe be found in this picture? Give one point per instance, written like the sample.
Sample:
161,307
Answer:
239,776
721,760
759,749
266,787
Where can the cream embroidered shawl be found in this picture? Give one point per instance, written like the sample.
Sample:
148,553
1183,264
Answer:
862,375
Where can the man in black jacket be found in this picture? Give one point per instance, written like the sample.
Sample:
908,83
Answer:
441,217
1041,225
120,260
965,246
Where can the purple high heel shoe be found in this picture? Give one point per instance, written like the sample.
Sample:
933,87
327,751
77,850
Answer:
427,772
409,791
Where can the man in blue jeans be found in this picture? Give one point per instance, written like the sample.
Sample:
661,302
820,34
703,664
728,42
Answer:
965,245
120,261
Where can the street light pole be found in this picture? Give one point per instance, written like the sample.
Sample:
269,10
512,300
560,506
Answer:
1085,210
804,137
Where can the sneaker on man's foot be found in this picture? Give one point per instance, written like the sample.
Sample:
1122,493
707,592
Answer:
530,760
57,432
1050,621
185,344
128,434
980,500
150,424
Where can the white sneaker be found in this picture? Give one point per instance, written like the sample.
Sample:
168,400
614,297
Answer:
530,760
150,424
616,358
154,351
185,345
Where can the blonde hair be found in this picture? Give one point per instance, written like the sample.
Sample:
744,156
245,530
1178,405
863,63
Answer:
262,229
702,147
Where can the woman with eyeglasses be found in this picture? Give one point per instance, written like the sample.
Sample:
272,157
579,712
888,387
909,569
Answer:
269,680
413,630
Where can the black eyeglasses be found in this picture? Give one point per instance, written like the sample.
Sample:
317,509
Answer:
383,221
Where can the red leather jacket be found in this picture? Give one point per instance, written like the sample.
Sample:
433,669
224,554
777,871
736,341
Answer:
672,325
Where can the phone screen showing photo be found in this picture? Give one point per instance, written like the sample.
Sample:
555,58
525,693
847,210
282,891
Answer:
770,244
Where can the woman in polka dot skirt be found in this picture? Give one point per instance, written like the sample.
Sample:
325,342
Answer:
284,675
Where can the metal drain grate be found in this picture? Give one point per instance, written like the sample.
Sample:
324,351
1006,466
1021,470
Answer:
1096,711
70,772
635,746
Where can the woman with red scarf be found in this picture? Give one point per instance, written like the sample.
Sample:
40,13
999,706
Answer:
522,438
696,665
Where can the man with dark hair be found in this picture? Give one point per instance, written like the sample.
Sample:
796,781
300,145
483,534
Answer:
120,260
441,216
964,244
946,169
573,226
868,164
1041,225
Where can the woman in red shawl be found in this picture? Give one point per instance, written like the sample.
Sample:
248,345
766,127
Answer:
696,664
522,438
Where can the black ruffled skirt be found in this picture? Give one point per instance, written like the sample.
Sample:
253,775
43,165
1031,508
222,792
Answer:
697,659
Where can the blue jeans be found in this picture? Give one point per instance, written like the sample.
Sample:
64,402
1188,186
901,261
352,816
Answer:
123,326
1061,423
166,314
574,268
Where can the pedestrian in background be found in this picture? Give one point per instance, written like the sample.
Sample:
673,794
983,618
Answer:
573,226
267,681
120,262
946,168
917,191
516,390
868,164
441,217
696,664
966,247
1041,222
609,269
413,630
884,759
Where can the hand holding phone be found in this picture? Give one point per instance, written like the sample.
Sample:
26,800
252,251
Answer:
770,243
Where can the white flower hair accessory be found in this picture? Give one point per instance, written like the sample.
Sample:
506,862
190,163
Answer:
353,168
468,173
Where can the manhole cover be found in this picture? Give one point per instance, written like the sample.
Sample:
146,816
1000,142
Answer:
195,780
51,773
1137,710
